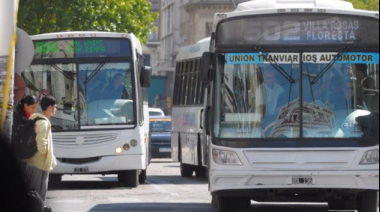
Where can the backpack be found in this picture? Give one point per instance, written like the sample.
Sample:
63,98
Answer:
24,144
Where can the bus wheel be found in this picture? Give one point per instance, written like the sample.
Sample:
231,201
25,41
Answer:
130,178
201,172
368,202
186,170
142,177
243,203
214,201
55,180
337,205
226,204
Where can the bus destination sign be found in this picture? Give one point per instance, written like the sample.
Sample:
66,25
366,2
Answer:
79,48
299,29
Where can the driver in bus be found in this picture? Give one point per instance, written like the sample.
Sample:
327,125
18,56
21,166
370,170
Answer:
366,82
349,101
116,89
273,92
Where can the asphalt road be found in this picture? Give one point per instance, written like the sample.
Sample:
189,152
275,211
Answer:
164,191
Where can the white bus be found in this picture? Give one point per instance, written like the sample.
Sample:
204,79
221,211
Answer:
293,109
99,81
188,144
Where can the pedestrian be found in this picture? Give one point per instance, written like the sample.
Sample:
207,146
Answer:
13,191
23,111
43,162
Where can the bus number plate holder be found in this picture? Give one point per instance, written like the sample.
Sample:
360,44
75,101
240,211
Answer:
81,170
165,150
302,181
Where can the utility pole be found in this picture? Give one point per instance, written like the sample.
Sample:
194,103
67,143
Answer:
8,16
234,3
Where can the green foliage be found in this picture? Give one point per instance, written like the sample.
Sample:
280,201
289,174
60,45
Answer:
366,4
44,16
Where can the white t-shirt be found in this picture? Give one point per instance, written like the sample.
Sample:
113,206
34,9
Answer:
269,97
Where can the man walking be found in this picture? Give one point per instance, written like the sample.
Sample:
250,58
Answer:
43,162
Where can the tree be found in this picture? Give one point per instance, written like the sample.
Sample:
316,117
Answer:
44,16
366,4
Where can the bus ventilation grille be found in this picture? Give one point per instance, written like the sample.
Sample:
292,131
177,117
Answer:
79,161
89,139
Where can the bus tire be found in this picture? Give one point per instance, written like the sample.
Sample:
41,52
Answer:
55,180
369,201
243,203
130,178
121,177
226,204
186,170
201,172
337,205
142,176
214,201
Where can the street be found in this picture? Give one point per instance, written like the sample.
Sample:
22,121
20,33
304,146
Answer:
165,190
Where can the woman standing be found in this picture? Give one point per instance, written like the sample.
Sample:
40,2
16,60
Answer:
24,110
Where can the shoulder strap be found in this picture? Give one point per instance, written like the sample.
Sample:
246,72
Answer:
38,119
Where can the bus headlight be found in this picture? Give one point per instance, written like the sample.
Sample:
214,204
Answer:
370,158
226,158
119,150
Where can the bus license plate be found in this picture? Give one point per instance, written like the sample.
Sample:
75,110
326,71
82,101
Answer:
81,170
302,181
163,150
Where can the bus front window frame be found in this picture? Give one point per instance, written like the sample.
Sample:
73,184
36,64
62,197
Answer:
302,141
92,60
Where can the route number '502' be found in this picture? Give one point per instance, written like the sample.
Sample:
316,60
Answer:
273,31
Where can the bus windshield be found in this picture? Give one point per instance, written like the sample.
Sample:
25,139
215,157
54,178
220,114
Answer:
268,96
90,92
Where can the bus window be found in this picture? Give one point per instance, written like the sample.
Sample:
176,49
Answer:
345,98
108,93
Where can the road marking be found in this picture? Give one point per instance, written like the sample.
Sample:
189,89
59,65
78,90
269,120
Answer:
161,189
123,200
69,201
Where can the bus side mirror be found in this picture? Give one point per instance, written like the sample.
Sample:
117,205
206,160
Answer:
207,70
146,77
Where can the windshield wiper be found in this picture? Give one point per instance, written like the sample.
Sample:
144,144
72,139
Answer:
278,68
310,82
290,85
323,72
93,74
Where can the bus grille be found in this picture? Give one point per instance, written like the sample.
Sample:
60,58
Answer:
90,139
79,161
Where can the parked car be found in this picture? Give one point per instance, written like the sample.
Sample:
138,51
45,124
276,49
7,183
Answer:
160,129
156,112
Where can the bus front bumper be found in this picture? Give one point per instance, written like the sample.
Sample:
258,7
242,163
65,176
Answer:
100,165
222,181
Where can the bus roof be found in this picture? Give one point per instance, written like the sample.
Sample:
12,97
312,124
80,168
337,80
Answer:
90,34
264,7
265,4
194,51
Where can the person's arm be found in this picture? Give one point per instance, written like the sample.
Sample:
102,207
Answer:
42,138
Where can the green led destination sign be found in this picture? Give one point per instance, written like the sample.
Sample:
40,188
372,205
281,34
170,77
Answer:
315,29
82,48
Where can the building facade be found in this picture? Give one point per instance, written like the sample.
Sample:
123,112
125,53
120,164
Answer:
185,22
198,16
152,48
